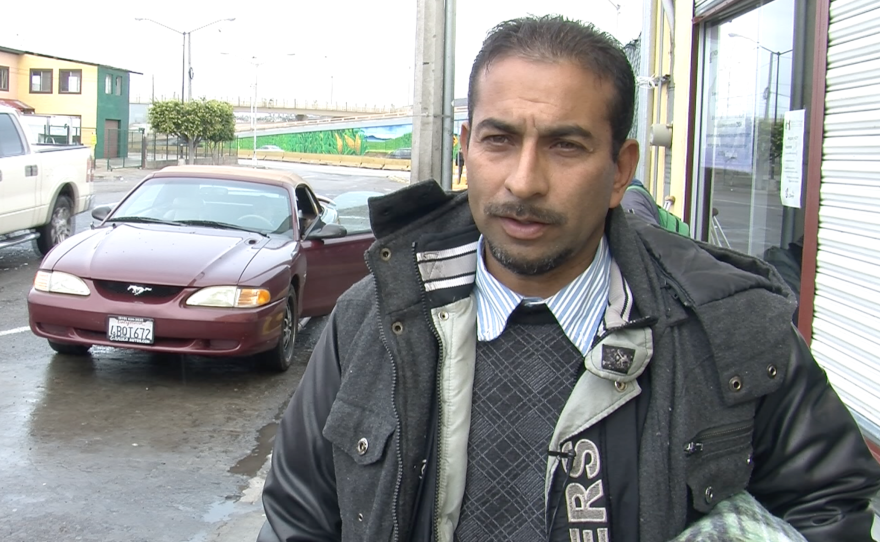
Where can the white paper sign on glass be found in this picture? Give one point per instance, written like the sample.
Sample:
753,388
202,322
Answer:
792,159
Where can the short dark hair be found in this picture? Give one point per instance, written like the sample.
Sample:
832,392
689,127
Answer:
553,38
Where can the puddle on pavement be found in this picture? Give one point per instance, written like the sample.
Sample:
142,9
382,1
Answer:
251,464
219,511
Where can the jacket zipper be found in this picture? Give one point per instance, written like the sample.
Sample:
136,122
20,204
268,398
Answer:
677,291
698,445
396,496
435,521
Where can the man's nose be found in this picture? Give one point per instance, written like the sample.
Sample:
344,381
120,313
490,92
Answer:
529,177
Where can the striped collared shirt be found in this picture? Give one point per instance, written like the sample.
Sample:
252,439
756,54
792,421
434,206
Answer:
578,307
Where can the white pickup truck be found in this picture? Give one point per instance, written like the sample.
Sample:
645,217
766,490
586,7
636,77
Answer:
41,187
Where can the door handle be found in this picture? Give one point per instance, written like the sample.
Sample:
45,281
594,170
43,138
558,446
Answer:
1,176
30,171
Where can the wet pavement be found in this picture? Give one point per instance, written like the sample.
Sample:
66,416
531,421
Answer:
130,446
123,445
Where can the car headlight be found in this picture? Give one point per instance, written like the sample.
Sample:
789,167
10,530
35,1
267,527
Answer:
230,297
58,282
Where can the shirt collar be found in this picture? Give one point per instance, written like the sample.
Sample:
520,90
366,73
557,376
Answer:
578,307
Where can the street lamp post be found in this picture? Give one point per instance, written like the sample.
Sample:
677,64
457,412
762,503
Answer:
617,10
254,111
774,56
256,63
329,63
183,67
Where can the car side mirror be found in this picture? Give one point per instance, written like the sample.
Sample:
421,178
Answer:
101,212
326,231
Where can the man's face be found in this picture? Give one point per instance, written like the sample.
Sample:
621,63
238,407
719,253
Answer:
541,175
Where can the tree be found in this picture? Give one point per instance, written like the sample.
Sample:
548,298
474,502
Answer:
194,121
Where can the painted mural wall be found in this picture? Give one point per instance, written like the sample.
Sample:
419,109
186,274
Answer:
374,140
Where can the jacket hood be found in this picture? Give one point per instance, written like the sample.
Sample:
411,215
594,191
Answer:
719,287
704,272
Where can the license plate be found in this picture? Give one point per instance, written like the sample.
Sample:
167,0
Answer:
127,329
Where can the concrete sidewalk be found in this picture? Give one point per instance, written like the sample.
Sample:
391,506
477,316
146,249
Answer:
118,174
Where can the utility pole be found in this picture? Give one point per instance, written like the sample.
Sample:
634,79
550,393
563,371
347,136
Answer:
446,146
182,70
428,92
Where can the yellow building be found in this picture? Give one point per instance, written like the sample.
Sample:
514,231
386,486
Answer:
91,100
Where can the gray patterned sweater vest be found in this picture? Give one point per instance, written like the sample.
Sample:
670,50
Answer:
522,381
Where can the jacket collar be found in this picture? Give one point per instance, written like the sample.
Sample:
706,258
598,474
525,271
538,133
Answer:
425,219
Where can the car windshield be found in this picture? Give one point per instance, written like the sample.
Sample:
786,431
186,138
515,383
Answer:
212,203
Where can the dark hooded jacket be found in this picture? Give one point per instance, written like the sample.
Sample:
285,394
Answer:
371,445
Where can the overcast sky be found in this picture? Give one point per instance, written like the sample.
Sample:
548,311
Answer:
355,51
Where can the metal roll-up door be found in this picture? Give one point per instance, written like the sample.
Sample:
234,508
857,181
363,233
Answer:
846,317
701,7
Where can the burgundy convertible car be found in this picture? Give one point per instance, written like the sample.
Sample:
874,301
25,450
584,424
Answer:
219,261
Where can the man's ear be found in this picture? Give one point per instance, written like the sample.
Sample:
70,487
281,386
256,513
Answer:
627,161
464,139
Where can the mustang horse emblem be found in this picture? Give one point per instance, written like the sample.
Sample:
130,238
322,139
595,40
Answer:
138,290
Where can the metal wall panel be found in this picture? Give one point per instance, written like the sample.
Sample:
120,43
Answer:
846,313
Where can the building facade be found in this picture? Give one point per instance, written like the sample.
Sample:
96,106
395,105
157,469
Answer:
85,101
774,111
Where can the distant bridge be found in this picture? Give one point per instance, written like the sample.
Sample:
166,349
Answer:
356,121
341,123
297,107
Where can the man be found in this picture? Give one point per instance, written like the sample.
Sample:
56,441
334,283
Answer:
640,203
526,362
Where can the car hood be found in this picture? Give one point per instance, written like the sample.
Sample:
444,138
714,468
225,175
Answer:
156,254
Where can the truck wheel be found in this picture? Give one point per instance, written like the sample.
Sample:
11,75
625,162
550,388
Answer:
69,349
59,228
279,358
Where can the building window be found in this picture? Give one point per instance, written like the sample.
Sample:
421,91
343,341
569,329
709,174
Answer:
108,84
118,88
69,81
41,81
4,77
748,84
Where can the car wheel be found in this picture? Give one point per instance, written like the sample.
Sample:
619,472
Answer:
59,228
279,358
69,349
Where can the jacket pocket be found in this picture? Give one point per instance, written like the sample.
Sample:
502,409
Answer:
365,468
359,432
719,463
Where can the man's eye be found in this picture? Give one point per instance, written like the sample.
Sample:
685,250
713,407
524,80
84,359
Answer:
568,145
497,139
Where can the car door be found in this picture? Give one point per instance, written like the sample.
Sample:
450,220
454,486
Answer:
19,178
332,265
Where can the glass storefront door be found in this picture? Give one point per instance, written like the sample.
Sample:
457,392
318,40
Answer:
747,87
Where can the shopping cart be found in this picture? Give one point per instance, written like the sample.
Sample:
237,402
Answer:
716,232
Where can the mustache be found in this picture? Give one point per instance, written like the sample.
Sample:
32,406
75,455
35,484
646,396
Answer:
524,211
